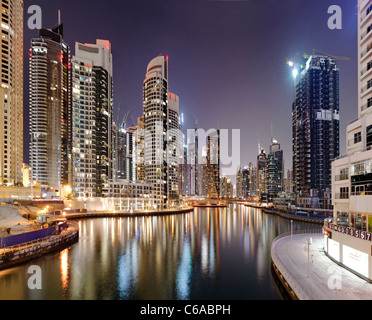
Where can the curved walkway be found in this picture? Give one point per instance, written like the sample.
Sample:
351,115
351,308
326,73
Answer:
312,219
327,280
104,214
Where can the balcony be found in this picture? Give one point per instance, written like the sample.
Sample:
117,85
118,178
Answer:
342,195
341,177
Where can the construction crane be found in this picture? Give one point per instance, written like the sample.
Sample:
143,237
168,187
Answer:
124,122
307,56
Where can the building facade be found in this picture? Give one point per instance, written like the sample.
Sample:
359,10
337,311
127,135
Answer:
245,182
92,133
140,153
275,170
315,125
239,184
348,236
50,109
155,113
11,93
173,146
252,180
213,164
262,163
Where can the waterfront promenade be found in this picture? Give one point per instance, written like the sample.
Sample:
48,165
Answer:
326,280
117,213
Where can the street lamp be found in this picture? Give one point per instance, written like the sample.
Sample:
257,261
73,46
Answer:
291,228
295,73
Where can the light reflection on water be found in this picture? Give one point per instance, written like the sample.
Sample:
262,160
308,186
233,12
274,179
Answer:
217,253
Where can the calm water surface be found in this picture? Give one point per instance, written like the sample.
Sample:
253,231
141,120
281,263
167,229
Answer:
217,253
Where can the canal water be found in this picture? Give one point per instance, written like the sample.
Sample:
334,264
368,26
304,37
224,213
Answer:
210,253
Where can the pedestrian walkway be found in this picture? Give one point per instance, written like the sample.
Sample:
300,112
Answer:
325,279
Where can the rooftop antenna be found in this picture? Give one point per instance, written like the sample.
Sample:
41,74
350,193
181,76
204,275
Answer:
272,136
195,123
59,17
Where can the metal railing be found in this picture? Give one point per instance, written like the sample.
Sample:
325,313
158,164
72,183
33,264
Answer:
341,177
32,243
342,195
361,193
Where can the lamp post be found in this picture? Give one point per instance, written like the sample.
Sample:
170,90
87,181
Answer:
291,228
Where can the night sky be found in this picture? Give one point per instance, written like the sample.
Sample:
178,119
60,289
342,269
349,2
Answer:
226,57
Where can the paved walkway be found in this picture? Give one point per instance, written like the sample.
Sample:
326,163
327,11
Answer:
327,280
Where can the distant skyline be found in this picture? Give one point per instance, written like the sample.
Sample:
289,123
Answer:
226,58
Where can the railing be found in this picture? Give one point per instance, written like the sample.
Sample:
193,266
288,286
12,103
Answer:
365,14
29,244
365,88
291,279
342,195
341,177
365,106
353,153
364,52
366,32
361,193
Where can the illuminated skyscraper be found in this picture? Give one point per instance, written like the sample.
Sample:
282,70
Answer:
173,146
139,139
50,108
213,164
92,81
11,93
262,163
275,170
161,138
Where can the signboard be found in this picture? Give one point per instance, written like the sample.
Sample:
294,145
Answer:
327,233
334,249
355,260
364,235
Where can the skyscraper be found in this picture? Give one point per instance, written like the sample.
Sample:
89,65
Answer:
315,125
11,93
173,146
213,164
155,113
275,170
239,184
262,163
126,153
252,180
92,81
139,138
245,182
194,164
50,108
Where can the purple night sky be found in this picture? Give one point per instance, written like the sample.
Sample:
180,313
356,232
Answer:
226,57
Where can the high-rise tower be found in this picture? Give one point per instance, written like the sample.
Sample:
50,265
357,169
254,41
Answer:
92,81
155,113
315,125
50,108
11,93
